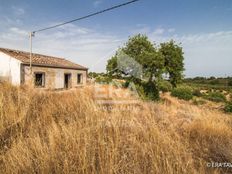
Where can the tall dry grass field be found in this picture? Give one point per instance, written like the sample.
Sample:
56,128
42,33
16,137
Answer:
67,132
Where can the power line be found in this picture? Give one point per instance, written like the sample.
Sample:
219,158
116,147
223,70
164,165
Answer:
87,16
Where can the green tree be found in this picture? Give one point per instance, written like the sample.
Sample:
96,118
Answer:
92,74
154,62
111,66
142,51
173,61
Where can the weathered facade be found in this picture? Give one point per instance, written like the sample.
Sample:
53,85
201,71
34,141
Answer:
46,72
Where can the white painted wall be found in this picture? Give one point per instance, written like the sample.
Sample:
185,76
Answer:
10,68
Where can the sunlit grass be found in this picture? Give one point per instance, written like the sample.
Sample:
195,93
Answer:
67,132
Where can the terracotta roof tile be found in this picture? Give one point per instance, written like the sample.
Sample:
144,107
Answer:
41,60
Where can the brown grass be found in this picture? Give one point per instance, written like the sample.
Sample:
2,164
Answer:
67,132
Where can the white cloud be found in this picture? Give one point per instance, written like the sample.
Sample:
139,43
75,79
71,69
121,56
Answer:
96,3
158,31
81,45
18,31
171,30
6,21
70,30
13,36
18,10
206,54
141,30
144,29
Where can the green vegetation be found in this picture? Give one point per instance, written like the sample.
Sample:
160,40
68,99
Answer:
142,51
215,97
230,82
215,89
183,92
197,92
144,64
198,101
165,86
210,83
228,107
103,79
147,63
173,61
150,90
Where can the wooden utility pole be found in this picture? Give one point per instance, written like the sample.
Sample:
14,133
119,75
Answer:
31,34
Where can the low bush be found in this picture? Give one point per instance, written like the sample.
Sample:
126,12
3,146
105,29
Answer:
216,97
151,91
214,82
148,91
228,107
126,84
140,91
103,79
198,101
165,86
197,92
184,93
230,83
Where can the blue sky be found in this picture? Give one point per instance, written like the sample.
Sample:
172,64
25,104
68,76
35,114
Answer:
203,27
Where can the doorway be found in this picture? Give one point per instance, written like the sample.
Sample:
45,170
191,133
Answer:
67,81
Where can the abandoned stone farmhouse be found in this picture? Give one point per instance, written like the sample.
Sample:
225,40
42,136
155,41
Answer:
46,71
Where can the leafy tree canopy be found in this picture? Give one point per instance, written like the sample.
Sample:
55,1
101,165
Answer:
142,51
145,63
174,61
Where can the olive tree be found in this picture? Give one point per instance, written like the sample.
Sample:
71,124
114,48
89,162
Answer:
173,61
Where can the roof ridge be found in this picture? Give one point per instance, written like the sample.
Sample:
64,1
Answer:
33,53
51,60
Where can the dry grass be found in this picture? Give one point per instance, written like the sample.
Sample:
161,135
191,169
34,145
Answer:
67,132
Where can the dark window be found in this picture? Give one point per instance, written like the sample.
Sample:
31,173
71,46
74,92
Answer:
67,80
39,79
79,78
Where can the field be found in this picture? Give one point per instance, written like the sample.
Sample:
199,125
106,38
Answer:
210,83
68,132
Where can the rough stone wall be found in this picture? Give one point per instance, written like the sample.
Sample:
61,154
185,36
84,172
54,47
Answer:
54,77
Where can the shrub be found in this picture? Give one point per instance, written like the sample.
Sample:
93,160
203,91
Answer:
197,92
148,91
198,101
184,93
216,97
103,79
214,82
126,84
115,83
151,91
140,91
230,83
165,86
228,107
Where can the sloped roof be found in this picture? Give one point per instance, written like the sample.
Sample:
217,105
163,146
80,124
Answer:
41,60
